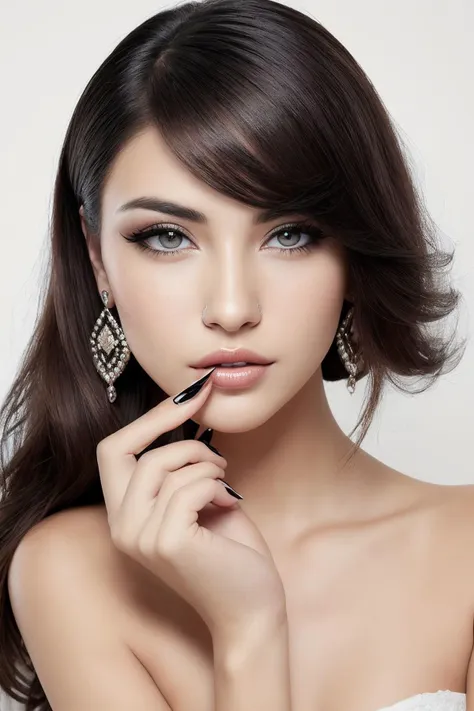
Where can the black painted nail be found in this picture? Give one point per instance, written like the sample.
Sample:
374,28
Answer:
206,435
213,449
192,389
231,491
206,439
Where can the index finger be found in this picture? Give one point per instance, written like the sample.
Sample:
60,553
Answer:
116,453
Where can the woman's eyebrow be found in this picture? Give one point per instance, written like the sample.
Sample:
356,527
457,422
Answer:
187,213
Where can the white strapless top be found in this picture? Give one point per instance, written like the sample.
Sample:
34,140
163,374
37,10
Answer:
433,701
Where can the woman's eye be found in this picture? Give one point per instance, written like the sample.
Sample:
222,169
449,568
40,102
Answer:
164,240
167,239
160,239
290,237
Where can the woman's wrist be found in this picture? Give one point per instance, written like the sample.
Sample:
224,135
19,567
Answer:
235,646
252,670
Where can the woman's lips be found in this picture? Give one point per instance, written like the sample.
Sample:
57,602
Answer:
235,378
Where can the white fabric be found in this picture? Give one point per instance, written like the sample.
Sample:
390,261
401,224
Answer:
433,701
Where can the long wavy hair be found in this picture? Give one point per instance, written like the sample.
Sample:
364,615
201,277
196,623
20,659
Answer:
266,106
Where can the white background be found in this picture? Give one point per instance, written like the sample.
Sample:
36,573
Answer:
419,55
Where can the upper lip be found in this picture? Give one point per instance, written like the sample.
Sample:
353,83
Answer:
227,356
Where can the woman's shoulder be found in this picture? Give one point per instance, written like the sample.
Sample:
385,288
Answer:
114,596
72,550
71,593
455,502
80,535
448,506
86,520
78,532
444,526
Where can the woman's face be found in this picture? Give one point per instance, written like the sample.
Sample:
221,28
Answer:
228,262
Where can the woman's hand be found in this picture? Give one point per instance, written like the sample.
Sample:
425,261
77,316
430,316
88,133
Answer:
153,507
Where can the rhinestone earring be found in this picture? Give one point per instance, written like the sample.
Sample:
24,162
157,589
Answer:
109,348
349,357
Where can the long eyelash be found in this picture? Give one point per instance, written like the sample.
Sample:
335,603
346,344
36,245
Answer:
140,236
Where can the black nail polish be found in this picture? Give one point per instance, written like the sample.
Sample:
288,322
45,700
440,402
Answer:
206,439
192,389
206,435
231,491
213,449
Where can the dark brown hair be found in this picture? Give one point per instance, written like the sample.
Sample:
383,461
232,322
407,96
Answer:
264,105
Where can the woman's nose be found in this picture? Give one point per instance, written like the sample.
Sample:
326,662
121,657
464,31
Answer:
232,315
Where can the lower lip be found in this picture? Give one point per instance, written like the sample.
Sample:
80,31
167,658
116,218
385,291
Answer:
236,378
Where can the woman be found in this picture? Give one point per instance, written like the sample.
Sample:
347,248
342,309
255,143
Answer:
230,191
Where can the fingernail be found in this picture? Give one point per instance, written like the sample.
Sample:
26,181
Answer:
206,439
192,389
231,491
213,449
206,435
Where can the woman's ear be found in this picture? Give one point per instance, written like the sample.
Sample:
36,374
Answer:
95,256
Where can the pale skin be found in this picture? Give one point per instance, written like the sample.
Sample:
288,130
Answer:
362,590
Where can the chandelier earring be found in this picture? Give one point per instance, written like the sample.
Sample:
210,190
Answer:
351,359
109,348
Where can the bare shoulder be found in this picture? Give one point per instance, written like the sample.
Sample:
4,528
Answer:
454,502
457,504
446,524
440,513
76,544
85,520
451,505
67,523
75,538
403,492
69,595
67,533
